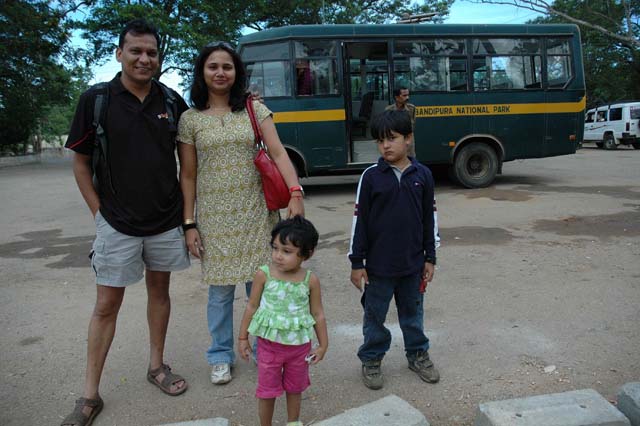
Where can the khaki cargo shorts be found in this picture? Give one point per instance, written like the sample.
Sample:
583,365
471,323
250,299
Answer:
120,260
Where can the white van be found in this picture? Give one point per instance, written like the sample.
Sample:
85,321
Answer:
611,125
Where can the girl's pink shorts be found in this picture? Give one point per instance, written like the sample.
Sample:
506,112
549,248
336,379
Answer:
281,368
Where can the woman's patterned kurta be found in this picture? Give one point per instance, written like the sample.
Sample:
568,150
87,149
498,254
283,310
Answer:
233,220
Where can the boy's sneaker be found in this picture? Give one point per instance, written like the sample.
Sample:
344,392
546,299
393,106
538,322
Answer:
423,366
372,374
220,374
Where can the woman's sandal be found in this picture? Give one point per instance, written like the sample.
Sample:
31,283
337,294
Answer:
168,380
78,418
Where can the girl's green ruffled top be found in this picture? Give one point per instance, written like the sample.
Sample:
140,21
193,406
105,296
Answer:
284,316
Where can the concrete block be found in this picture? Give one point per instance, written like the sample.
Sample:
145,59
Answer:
583,407
629,402
218,421
388,411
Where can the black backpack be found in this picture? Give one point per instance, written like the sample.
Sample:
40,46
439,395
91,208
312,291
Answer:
100,144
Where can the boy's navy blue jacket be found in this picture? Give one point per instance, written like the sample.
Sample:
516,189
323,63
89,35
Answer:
393,225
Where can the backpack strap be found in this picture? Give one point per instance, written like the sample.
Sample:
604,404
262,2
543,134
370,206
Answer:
171,105
100,143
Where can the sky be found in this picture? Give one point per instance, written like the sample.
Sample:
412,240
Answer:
461,12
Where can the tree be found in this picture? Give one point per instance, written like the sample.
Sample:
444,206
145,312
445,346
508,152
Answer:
269,14
56,120
31,40
184,26
611,41
617,19
187,25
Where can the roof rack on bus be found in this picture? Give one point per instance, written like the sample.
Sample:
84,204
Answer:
414,19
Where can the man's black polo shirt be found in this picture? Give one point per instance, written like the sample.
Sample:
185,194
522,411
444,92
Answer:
148,200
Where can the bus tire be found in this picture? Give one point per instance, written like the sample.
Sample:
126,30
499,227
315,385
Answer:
609,142
451,174
476,165
636,145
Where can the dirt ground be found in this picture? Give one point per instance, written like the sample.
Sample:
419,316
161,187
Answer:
537,291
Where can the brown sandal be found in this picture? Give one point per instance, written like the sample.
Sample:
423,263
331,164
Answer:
78,418
168,380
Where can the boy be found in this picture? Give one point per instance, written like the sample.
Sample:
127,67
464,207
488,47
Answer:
393,248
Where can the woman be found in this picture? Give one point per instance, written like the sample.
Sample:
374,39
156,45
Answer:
216,152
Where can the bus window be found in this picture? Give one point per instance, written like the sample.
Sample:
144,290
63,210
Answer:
369,76
264,52
269,78
310,48
558,63
512,63
433,65
268,69
316,68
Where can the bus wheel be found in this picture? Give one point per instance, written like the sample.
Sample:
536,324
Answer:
609,142
636,145
476,165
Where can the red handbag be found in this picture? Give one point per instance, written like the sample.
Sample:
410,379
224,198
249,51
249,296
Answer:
276,192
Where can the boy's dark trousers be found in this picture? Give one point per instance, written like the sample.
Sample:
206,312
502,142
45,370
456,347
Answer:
409,303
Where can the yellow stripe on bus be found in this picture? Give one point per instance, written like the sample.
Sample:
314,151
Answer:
499,109
441,111
309,116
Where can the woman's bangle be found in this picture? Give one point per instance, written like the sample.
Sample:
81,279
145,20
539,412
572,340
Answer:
243,338
296,188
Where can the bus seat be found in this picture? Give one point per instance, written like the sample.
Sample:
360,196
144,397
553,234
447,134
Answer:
362,120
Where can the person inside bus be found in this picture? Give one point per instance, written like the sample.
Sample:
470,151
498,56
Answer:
304,78
216,149
401,97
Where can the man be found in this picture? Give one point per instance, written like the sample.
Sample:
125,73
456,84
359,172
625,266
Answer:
137,205
401,96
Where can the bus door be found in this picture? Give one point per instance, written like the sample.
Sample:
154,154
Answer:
366,82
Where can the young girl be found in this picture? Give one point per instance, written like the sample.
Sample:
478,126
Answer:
283,310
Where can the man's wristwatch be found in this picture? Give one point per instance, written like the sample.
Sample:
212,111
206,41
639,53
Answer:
189,224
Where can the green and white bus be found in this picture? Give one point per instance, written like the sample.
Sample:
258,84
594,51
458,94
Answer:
484,94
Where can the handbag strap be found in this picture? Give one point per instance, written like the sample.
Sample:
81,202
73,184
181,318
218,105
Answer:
254,123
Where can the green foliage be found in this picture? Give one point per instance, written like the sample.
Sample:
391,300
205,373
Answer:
184,26
612,67
268,14
187,25
56,120
32,36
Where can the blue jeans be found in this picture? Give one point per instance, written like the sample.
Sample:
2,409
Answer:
409,302
220,321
